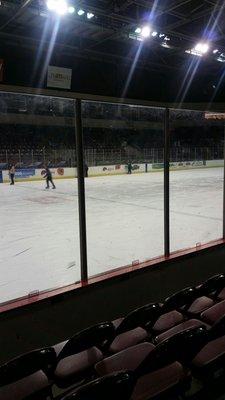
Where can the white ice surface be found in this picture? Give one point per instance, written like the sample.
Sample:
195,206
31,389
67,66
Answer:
39,247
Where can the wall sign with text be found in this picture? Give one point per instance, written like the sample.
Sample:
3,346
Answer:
59,77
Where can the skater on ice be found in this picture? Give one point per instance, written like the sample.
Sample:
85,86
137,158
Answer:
12,171
129,167
48,177
86,168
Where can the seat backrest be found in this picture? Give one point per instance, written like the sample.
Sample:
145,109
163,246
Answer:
182,298
181,347
27,364
218,329
213,284
140,317
92,336
115,386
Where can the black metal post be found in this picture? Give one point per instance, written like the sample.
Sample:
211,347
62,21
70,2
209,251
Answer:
81,190
224,186
166,184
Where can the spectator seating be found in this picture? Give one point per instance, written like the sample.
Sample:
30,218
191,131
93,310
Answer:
28,376
77,356
130,330
118,385
152,351
157,368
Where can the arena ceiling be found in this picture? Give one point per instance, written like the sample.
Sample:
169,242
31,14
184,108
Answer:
110,35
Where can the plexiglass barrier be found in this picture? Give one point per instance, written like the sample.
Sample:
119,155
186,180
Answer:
39,224
196,178
124,197
123,162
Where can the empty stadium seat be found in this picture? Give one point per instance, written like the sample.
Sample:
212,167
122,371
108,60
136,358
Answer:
130,330
192,323
166,321
214,313
77,356
176,308
118,386
157,369
201,297
210,361
27,376
213,285
191,301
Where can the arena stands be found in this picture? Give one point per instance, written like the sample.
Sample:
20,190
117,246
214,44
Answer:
157,351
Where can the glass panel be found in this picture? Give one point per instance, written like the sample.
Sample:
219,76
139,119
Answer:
39,227
196,178
124,189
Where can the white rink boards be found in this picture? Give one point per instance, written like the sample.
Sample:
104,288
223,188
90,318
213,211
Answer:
39,247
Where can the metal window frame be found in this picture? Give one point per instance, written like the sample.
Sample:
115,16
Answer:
78,99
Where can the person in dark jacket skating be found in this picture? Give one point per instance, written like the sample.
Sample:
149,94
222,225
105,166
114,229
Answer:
48,177
129,167
86,170
12,172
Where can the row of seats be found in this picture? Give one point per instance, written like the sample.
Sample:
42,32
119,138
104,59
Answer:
159,347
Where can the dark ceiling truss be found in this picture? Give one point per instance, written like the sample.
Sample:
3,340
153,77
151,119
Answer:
180,19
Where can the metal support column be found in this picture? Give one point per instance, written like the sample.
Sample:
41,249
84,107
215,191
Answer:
224,186
166,185
81,190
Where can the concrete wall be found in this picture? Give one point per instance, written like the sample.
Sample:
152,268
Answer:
53,320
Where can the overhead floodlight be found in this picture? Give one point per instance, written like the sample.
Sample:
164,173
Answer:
71,9
138,30
165,44
80,12
221,59
145,32
90,15
215,51
154,33
202,48
58,6
161,35
166,38
51,4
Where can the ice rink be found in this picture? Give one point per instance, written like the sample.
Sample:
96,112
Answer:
39,228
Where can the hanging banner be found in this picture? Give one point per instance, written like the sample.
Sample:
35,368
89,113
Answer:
59,77
1,70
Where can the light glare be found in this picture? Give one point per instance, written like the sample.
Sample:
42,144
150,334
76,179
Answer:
202,48
138,30
145,32
154,33
90,15
71,10
80,12
58,6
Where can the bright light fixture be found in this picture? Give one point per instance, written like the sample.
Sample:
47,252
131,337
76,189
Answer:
154,33
165,44
221,58
215,51
90,15
58,6
138,30
145,32
71,9
161,35
202,48
80,12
